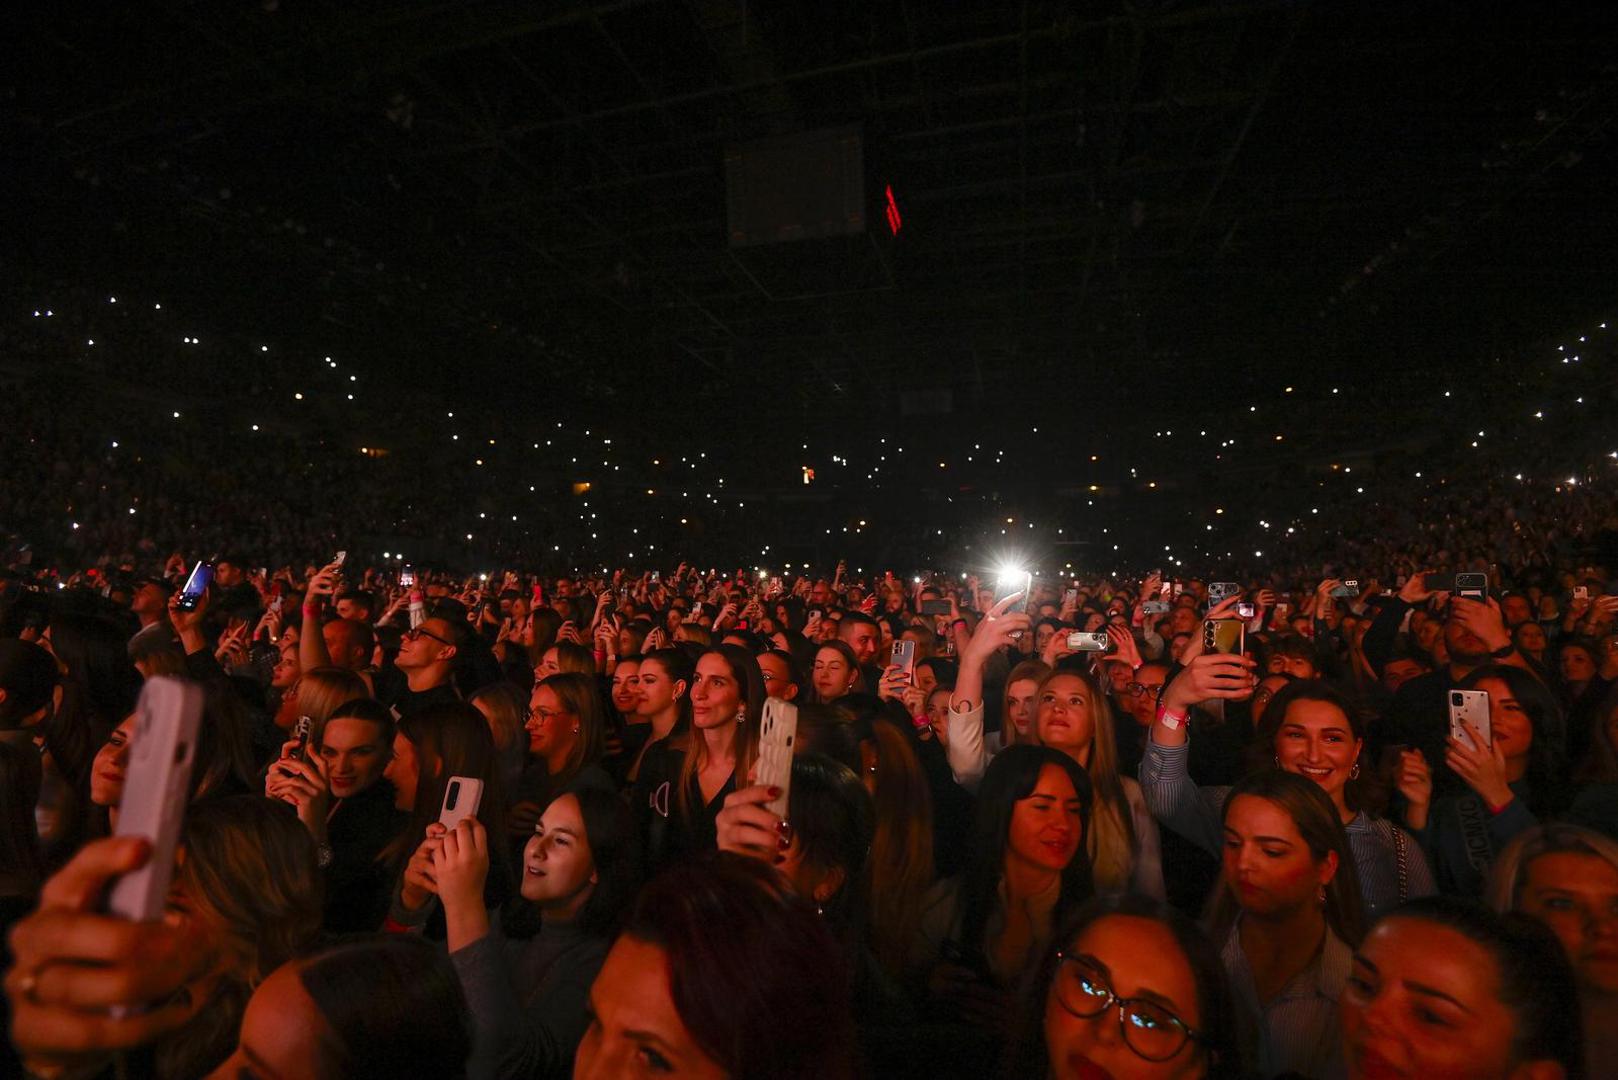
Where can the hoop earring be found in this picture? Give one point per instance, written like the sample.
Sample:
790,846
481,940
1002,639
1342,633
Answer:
1354,773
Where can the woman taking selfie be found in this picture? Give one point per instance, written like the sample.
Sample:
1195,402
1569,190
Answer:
580,869
1309,730
1129,988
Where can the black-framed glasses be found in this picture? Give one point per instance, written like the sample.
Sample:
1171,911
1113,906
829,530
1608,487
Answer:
1143,689
421,631
1150,1030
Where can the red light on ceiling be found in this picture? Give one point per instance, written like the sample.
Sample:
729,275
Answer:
894,220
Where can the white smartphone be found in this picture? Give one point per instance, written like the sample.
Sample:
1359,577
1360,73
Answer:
1472,707
777,732
461,798
904,658
158,778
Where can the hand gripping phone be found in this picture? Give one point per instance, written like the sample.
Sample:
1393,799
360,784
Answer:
167,719
1222,590
778,731
461,798
1471,707
1349,587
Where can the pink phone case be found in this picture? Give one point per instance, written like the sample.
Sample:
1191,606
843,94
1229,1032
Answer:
461,798
167,719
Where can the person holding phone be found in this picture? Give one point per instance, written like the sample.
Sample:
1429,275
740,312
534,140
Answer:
1498,787
1309,729
580,871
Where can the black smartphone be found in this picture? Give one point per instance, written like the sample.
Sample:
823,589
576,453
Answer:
935,607
195,585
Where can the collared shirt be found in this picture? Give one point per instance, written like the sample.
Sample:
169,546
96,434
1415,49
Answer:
1297,1029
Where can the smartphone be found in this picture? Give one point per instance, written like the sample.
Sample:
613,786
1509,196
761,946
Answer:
1070,598
935,607
1349,587
696,610
342,557
904,656
1155,607
461,798
1015,582
1471,706
157,781
1178,589
201,577
777,732
1085,641
657,575
1282,609
1246,610
1224,636
1438,582
407,577
275,604
775,585
1222,590
1472,586
1581,592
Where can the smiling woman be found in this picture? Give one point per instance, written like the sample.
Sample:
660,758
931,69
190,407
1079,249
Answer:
1025,868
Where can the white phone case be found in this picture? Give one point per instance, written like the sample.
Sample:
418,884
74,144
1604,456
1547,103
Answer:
461,798
1471,706
167,719
778,731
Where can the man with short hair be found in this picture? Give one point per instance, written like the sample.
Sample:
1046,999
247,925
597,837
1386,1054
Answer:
860,633
356,604
427,660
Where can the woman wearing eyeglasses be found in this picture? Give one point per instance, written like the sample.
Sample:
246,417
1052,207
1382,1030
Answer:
1129,988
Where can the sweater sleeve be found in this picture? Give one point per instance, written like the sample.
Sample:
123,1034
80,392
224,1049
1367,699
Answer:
967,759
1377,644
509,1041
1175,801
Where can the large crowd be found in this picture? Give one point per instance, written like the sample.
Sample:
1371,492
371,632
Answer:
1069,826
1327,787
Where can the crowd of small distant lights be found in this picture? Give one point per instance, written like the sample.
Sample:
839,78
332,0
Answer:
1009,549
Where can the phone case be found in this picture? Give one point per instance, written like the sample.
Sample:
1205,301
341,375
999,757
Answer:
777,732
1224,636
1087,641
1471,706
461,798
158,780
904,656
195,586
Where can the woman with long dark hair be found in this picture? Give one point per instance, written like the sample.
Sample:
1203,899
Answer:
581,868
1498,786
1025,869
430,747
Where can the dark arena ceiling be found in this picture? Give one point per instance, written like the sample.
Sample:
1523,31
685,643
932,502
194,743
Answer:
1105,210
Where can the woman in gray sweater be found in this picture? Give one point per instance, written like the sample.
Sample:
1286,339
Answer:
527,998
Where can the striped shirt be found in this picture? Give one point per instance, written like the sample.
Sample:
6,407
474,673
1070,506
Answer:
1297,1029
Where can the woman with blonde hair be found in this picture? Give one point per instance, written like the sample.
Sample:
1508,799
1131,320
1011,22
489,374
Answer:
1567,877
1071,715
1017,703
321,690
